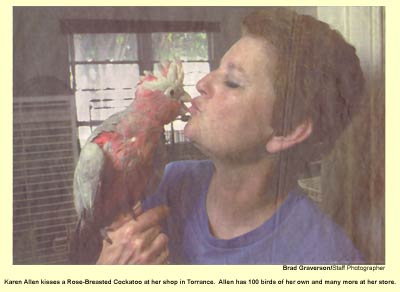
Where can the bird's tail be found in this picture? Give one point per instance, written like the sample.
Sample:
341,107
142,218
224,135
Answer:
86,244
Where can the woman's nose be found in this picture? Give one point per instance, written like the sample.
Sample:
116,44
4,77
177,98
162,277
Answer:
203,85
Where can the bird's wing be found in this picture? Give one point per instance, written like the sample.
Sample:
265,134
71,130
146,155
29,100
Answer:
159,160
109,124
87,178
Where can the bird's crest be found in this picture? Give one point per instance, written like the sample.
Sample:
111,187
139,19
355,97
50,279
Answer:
167,77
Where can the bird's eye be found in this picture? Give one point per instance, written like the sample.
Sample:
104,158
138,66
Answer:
171,92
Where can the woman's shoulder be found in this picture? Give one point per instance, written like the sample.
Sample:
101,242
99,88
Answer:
318,235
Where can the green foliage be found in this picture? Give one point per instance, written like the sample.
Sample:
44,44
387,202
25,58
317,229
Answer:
105,47
121,47
186,46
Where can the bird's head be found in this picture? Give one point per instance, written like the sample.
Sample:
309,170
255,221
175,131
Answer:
168,79
162,91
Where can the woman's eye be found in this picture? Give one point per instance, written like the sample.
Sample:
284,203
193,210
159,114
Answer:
232,84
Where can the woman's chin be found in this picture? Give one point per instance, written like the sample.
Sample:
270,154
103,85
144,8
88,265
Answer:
189,131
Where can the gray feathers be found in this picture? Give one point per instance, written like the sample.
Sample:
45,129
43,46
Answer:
87,177
109,124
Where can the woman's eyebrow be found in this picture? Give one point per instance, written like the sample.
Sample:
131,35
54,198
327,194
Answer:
235,67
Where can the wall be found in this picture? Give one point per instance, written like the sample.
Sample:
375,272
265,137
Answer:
353,177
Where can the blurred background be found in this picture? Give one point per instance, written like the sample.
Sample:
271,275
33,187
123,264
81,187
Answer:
75,66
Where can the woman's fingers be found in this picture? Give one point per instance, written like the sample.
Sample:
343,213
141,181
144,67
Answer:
138,248
137,240
160,251
151,217
124,228
110,254
162,259
154,253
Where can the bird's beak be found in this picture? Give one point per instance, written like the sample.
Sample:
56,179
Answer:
185,97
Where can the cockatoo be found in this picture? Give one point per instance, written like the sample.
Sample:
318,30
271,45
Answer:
123,159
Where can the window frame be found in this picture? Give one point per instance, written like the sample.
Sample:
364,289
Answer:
143,30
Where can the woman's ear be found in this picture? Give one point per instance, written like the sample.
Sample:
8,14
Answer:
298,135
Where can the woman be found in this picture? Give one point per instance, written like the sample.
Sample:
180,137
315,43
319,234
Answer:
282,95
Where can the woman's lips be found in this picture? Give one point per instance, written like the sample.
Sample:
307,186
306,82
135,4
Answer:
184,110
194,109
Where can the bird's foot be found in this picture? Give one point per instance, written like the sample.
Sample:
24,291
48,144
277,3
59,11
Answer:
133,214
136,210
104,234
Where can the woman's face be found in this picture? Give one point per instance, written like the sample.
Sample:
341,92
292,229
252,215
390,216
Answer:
232,115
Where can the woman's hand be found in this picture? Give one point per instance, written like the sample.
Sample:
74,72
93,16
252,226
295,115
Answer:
137,241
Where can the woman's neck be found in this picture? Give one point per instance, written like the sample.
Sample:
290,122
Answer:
242,196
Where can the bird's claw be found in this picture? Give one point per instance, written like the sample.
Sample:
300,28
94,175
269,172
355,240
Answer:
133,214
133,211
104,234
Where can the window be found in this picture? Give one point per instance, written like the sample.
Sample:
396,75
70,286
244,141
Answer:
107,58
104,72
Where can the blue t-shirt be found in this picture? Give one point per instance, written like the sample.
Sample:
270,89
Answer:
298,232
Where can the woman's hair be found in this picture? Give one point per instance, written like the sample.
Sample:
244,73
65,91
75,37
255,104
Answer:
318,77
